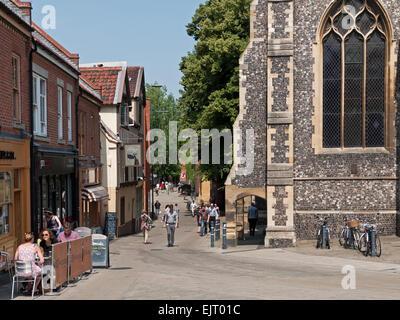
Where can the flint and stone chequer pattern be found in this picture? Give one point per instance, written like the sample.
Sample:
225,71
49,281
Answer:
280,230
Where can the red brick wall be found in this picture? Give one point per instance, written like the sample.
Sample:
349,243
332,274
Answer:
52,102
13,42
92,128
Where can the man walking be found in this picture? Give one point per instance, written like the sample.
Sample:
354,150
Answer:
157,205
213,217
253,218
171,222
193,206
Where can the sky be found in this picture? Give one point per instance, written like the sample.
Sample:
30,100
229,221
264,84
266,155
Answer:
148,33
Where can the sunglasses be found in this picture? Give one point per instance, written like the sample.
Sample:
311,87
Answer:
45,235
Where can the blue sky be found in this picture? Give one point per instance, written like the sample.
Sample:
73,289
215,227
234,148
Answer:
149,33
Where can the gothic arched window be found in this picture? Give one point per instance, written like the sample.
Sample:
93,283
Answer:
355,49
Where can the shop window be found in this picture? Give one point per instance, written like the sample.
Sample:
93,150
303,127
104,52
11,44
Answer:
5,201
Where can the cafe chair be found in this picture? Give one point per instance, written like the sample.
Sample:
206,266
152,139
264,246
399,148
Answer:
24,274
6,262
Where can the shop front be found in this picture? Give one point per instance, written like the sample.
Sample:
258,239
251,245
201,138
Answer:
56,186
14,192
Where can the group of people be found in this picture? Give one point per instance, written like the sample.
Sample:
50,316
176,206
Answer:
164,186
205,216
35,253
170,221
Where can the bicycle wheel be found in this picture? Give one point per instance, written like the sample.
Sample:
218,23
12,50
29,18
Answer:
341,237
378,246
356,237
363,245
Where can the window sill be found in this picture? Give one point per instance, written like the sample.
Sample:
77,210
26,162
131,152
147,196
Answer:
339,151
61,142
70,143
18,125
42,139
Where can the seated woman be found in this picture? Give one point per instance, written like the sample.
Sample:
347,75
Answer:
26,253
47,239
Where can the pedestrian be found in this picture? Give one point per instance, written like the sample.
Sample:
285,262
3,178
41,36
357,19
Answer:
253,218
162,186
193,206
197,218
205,218
157,205
171,222
158,189
146,226
171,187
166,210
167,187
213,217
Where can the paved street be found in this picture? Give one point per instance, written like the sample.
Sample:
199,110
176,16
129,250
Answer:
193,270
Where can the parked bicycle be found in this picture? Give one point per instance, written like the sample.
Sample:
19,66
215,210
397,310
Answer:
370,243
350,235
323,234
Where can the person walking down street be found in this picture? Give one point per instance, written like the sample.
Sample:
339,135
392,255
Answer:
193,206
214,216
167,187
157,205
253,218
176,208
157,189
146,226
166,210
171,187
171,222
205,219
197,218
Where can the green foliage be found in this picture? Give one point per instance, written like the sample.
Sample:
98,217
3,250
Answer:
210,98
163,110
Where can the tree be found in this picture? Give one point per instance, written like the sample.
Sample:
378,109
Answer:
163,110
210,98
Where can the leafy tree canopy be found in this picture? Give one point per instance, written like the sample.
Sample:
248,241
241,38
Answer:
210,98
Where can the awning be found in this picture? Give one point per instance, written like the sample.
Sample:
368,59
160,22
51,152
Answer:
95,194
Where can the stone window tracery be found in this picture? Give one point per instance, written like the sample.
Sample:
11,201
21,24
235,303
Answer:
355,56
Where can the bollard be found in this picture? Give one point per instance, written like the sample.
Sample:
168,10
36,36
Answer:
373,244
212,236
323,237
218,230
224,246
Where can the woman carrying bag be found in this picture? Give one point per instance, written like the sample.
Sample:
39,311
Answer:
146,226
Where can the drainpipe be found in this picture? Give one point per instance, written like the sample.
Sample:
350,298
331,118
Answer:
32,152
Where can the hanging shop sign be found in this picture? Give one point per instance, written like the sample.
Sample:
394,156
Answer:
133,155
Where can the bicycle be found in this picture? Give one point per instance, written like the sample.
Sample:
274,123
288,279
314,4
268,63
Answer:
349,236
365,242
323,234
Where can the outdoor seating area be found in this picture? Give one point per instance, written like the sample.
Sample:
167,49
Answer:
66,263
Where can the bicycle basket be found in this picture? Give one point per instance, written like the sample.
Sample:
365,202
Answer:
354,224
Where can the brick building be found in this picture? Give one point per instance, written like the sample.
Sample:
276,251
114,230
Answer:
317,85
55,96
92,194
15,60
121,136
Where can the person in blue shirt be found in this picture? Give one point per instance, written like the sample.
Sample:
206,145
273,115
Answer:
253,218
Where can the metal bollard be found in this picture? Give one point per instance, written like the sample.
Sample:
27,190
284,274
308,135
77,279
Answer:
373,246
218,230
323,237
212,236
224,245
